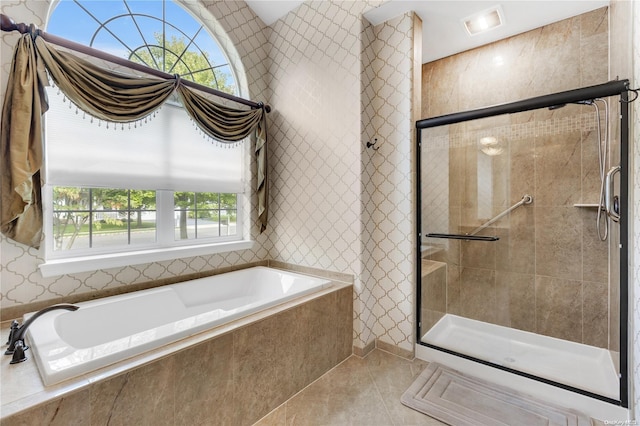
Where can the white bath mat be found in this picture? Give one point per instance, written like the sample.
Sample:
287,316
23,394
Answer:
461,400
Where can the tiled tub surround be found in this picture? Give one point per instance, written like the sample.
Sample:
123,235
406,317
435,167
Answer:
233,374
68,344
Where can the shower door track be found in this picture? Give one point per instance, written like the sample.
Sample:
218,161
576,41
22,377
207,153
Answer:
612,88
524,374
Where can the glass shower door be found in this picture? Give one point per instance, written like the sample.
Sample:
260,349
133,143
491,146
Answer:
513,271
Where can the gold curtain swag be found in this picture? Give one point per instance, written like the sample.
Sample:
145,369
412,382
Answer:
108,96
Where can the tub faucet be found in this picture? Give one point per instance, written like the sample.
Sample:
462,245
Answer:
16,346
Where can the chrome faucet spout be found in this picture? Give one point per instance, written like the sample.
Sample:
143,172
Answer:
16,344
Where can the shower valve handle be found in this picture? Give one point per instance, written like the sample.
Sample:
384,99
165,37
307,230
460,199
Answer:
611,206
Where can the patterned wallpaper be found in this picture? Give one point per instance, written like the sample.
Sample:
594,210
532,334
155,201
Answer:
394,253
364,321
337,83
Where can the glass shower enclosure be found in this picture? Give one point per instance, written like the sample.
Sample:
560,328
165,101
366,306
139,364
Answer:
523,237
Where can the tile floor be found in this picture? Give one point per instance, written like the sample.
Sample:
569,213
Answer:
359,391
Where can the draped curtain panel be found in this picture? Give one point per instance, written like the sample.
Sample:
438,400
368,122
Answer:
106,95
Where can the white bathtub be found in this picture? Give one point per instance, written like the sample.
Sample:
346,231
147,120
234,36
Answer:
104,331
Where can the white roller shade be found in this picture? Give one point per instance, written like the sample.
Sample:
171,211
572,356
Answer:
167,152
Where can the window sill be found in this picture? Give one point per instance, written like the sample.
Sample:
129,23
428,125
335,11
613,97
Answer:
56,267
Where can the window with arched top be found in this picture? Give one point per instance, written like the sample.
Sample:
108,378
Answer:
118,192
160,34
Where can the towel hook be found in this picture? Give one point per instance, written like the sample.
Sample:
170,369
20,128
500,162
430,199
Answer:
373,144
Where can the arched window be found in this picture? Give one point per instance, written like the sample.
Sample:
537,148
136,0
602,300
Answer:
159,34
153,186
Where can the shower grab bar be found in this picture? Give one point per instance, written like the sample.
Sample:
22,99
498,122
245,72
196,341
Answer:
471,236
463,237
526,199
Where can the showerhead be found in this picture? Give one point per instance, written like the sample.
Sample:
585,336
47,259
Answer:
583,102
552,107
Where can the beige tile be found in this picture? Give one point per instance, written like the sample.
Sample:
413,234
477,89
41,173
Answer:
392,376
558,242
454,298
346,396
492,91
204,383
362,352
72,410
478,254
277,417
559,34
255,366
469,188
501,172
516,298
614,307
344,318
519,57
594,22
595,314
357,392
428,319
427,70
557,159
434,287
292,352
457,176
522,172
450,249
559,45
592,71
590,165
395,350
478,294
559,308
443,92
595,252
322,343
118,401
516,248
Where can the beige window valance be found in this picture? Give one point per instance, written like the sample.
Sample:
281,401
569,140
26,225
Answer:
104,94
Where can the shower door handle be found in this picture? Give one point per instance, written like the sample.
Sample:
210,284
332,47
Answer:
611,206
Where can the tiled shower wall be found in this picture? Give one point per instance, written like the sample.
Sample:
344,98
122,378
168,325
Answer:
547,274
548,271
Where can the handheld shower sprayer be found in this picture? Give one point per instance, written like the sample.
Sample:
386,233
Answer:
602,225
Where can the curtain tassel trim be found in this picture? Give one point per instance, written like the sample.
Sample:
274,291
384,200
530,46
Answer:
109,97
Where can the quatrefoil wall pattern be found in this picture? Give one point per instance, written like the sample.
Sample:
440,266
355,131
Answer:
334,81
335,204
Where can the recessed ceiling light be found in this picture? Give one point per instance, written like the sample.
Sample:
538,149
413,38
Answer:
484,21
491,146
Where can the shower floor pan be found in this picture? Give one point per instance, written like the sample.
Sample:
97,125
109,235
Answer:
574,364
